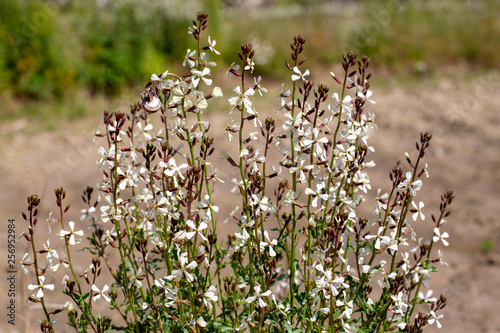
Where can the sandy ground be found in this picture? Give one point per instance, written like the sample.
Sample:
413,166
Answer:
461,110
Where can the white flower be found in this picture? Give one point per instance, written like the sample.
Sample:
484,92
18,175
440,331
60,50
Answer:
319,193
254,114
232,69
418,211
241,100
210,296
346,154
362,181
340,103
183,270
68,306
197,75
260,89
381,200
107,157
200,322
160,78
26,261
427,298
59,262
381,240
316,307
171,168
348,305
420,274
291,124
217,92
298,74
136,279
282,97
255,160
71,233
109,236
401,307
315,140
50,221
329,283
302,169
263,204
144,130
203,57
258,296
100,293
406,262
86,215
50,251
438,236
284,310
433,319
366,97
130,179
440,259
426,172
407,184
208,206
40,287
197,230
189,58
170,294
211,45
269,244
249,65
230,129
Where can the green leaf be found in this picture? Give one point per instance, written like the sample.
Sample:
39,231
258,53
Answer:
290,329
219,327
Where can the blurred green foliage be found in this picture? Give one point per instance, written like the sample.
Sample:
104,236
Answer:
433,32
104,46
487,245
48,50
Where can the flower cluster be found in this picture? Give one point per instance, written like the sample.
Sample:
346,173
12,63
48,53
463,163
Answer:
301,258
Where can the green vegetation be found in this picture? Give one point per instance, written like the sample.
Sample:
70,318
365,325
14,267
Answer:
437,33
50,52
487,245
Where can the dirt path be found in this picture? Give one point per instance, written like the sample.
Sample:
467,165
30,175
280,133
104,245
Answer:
462,112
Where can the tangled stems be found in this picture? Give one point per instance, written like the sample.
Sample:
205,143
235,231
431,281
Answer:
114,133
157,212
297,48
446,200
60,195
33,202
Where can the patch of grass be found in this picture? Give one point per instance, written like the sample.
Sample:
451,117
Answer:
487,245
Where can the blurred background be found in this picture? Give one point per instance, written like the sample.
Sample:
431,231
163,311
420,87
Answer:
56,54
436,68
